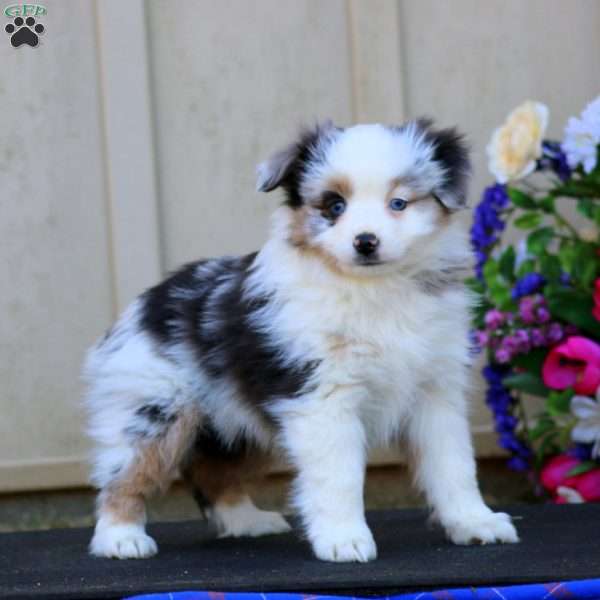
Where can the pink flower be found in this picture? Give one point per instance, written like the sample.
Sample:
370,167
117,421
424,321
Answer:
482,338
554,472
574,363
588,485
596,311
502,355
494,318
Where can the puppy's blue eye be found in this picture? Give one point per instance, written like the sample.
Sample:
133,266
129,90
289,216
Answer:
334,205
398,203
337,208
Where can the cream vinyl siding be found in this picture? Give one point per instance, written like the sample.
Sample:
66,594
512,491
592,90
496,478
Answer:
129,139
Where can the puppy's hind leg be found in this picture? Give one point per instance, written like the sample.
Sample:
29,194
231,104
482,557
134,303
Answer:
139,470
219,485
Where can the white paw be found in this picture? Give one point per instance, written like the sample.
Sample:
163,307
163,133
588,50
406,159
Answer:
122,541
354,545
264,523
245,519
489,528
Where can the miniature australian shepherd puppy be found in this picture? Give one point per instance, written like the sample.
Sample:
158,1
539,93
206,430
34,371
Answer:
347,330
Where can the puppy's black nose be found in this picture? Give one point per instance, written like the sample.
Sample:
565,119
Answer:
366,243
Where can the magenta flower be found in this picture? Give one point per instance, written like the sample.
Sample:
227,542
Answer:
574,363
482,338
503,355
588,485
494,318
554,472
569,489
527,309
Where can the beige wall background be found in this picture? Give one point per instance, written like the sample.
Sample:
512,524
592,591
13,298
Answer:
129,137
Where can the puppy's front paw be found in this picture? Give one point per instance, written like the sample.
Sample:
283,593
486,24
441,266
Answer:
489,528
122,541
345,545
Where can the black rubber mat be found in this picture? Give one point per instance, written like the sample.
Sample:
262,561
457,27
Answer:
558,543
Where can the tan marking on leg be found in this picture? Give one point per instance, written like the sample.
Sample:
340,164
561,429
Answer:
151,471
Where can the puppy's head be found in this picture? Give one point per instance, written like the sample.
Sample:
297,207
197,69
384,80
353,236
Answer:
365,197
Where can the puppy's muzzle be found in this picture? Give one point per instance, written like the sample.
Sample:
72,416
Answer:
366,244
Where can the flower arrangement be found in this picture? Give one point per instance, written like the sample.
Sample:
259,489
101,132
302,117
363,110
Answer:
538,319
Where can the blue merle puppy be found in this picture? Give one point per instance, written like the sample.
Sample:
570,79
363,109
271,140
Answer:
347,330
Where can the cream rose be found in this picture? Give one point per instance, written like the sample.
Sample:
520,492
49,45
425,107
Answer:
517,144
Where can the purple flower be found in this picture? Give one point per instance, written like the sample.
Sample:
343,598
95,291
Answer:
494,318
537,337
527,309
565,278
487,223
581,451
482,338
522,341
502,404
528,284
503,355
542,314
554,158
554,333
518,463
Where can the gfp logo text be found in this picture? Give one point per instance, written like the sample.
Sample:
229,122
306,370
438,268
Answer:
25,10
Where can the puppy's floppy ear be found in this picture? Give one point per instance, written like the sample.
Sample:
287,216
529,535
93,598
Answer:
285,167
272,172
451,152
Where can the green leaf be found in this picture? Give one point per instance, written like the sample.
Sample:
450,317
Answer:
550,267
586,207
547,204
539,239
559,403
548,446
585,263
475,285
520,199
542,427
577,189
532,361
528,220
500,295
490,269
526,382
575,307
506,264
584,467
567,255
527,266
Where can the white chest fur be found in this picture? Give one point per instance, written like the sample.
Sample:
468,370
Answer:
385,339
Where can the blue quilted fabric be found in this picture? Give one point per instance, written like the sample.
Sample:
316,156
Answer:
588,589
